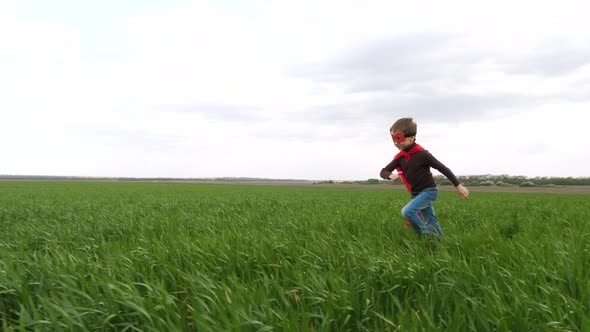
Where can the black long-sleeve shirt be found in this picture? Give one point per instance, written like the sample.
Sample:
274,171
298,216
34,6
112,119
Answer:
417,170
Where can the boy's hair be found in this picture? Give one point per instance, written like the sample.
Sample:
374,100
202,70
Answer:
405,125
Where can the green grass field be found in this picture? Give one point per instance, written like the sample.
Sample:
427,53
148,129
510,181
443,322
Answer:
84,256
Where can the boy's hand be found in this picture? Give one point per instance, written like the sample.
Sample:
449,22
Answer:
462,191
394,176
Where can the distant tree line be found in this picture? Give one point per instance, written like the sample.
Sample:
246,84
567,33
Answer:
488,180
509,180
468,180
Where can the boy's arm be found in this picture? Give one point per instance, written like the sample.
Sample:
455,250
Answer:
434,163
386,171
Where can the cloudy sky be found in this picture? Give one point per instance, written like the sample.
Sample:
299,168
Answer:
297,89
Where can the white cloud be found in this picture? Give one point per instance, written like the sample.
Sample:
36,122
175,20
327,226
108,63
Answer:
296,89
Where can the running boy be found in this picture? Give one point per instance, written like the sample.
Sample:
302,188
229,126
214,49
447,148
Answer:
413,166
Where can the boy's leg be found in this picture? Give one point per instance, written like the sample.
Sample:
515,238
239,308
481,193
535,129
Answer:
419,202
431,221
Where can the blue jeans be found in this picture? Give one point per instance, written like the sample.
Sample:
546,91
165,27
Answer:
420,214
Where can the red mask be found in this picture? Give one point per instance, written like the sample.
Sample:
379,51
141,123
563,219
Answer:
398,137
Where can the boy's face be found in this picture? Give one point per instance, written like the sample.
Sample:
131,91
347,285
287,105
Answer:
402,141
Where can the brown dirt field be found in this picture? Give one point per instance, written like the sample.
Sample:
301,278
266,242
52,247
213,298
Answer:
572,190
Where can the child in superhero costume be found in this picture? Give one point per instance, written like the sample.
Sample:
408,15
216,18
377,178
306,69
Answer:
413,165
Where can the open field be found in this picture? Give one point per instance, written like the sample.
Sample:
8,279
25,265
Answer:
102,256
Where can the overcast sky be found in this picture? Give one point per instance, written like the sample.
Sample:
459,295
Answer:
301,89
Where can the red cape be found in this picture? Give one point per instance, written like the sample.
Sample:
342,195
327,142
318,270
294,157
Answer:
407,155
